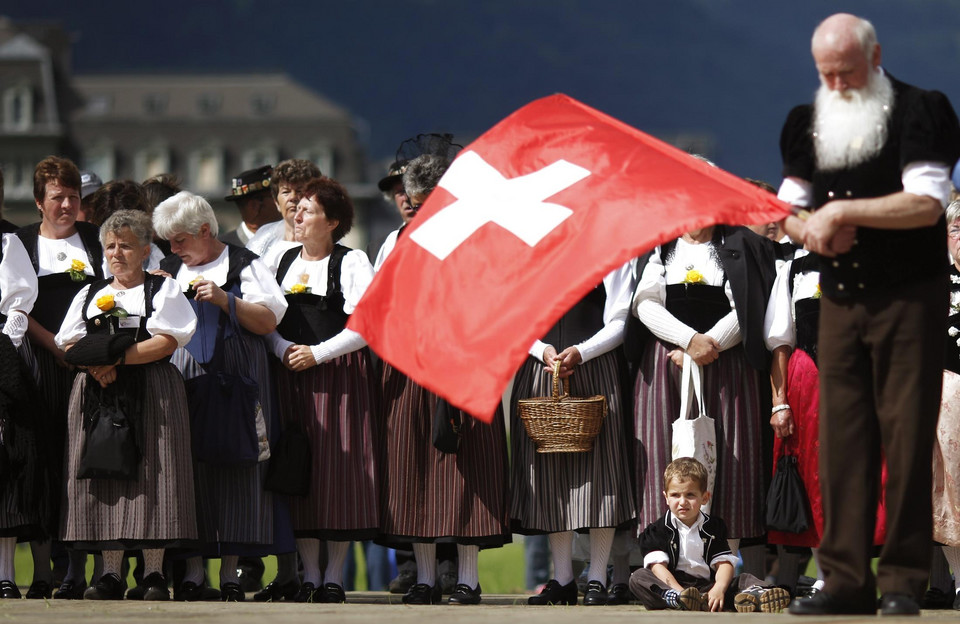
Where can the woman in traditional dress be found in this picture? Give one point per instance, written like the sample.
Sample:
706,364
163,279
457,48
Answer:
325,387
432,496
559,493
24,492
235,512
946,450
704,294
155,509
66,256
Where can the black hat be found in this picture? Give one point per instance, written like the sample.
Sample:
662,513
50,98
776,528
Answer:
250,182
394,175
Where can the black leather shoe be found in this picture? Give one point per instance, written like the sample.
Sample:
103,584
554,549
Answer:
823,603
39,590
275,592
465,595
937,599
70,590
191,592
596,594
109,587
9,590
619,595
404,581
231,592
333,594
553,593
306,593
422,594
898,604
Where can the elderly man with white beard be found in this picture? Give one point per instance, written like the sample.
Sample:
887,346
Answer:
872,158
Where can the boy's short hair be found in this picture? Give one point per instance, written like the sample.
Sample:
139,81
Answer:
684,468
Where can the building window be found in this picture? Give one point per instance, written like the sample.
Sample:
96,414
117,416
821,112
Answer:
259,156
151,160
263,103
99,104
321,155
206,168
155,103
18,108
101,159
209,103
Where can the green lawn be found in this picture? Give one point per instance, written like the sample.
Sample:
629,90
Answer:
501,569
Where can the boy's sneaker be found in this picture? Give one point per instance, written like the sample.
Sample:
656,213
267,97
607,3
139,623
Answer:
690,599
764,599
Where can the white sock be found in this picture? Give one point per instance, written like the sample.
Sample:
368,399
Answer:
561,546
112,562
286,568
952,554
228,569
600,542
309,549
336,556
426,556
467,566
152,561
194,571
8,550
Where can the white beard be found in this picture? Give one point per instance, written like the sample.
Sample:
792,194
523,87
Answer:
851,128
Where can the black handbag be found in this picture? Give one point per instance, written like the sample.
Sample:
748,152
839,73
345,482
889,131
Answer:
224,409
110,450
291,460
447,420
787,507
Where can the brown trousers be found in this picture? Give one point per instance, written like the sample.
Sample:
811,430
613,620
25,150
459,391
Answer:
881,365
648,588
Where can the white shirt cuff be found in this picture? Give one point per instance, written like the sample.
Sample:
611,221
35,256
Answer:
796,192
536,351
657,556
728,558
928,178
16,327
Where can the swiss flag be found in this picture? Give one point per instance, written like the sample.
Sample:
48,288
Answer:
526,221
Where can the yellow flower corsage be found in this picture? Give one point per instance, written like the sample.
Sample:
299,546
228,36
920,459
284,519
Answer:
108,304
817,293
77,270
693,276
299,289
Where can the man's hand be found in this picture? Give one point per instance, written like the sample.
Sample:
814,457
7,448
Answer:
825,232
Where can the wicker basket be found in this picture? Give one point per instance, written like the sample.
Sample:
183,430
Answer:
561,423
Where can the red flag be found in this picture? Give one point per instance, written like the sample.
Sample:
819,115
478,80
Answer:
526,221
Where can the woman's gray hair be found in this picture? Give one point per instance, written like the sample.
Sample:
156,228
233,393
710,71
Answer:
184,212
423,173
137,221
953,211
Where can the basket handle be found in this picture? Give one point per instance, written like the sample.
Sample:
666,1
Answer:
556,382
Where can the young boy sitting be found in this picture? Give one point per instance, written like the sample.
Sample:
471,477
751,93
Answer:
687,563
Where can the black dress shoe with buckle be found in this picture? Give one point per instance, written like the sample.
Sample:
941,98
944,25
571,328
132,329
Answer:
9,590
619,595
39,590
109,587
898,604
423,594
231,592
553,593
191,592
275,592
70,590
306,593
823,603
596,594
333,594
464,595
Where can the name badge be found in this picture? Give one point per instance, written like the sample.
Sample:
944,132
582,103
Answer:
131,322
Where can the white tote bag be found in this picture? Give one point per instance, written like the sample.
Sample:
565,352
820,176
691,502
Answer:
695,437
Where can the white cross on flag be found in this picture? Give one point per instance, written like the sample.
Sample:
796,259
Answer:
527,220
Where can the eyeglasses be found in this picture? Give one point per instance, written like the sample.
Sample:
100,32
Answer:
954,232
